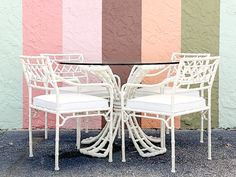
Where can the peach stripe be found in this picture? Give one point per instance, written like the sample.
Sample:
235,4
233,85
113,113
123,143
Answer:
161,33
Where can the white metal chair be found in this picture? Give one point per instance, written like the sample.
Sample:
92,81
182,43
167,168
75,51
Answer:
193,74
98,144
171,76
73,72
142,142
40,74
171,73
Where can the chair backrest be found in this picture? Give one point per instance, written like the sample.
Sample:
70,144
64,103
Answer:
179,56
105,74
68,70
137,75
196,73
38,72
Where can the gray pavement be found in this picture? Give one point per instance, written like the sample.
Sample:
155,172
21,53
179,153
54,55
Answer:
191,156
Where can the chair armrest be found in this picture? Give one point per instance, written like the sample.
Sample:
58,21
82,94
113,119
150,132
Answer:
78,84
160,71
118,80
161,84
73,83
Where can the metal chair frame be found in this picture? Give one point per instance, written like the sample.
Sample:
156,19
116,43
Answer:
39,74
68,72
195,73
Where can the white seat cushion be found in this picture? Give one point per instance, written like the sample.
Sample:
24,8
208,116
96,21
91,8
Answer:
71,102
145,91
95,91
162,103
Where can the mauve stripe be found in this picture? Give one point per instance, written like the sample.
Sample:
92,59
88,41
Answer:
121,33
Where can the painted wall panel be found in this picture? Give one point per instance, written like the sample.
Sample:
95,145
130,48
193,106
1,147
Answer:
42,33
121,33
227,78
10,68
82,33
82,28
161,29
161,35
200,33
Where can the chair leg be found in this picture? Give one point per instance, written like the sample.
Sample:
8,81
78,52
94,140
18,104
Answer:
123,136
110,137
209,134
30,134
167,130
163,143
78,133
57,143
46,126
86,124
172,145
202,124
119,129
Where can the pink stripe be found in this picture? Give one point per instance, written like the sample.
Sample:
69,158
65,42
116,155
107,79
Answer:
42,33
82,33
82,28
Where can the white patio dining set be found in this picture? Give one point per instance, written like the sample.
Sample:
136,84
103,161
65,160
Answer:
74,89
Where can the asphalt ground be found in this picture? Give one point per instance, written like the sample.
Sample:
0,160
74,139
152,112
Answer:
191,156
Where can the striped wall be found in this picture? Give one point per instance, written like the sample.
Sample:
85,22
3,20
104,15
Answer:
10,68
227,77
200,33
115,30
161,35
121,33
42,33
82,32
82,28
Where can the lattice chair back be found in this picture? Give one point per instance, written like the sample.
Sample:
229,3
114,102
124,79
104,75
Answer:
68,70
196,73
179,56
105,74
38,72
138,73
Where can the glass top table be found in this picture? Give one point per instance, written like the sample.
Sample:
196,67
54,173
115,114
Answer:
117,63
148,145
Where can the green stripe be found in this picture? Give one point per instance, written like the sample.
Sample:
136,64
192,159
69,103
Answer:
200,33
10,68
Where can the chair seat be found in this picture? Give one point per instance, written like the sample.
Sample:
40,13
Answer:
95,91
145,91
71,102
162,103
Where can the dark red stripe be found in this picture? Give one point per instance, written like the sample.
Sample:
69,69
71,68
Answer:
121,34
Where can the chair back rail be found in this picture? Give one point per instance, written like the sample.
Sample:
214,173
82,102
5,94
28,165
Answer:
38,72
68,70
178,56
196,73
